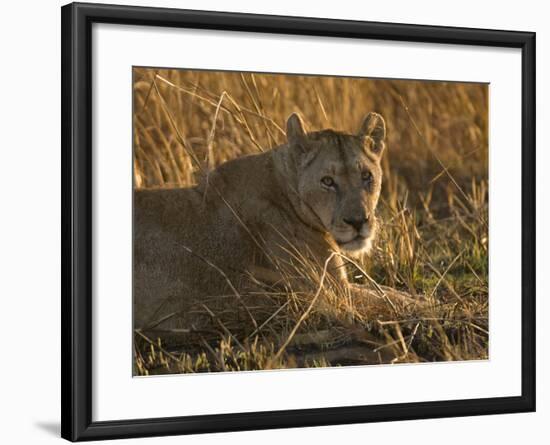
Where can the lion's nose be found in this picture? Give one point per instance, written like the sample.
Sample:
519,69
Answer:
356,222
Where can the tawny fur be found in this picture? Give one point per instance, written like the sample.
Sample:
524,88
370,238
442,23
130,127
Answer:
250,214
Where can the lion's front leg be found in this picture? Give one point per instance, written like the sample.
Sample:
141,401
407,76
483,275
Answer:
287,280
384,298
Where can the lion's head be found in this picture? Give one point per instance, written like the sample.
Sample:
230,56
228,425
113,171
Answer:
339,178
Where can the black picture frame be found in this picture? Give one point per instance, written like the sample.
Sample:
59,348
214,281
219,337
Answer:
76,247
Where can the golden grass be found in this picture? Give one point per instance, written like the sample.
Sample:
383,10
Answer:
434,211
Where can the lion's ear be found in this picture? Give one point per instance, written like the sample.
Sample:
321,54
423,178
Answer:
374,127
294,128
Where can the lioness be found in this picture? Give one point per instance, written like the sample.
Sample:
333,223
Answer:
314,195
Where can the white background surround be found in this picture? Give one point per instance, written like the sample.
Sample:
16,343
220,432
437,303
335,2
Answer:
29,239
116,49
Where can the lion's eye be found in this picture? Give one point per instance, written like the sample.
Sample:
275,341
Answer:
327,181
367,177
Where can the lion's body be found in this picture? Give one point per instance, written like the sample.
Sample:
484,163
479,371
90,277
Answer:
250,214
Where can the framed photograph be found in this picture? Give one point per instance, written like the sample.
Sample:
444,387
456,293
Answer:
273,222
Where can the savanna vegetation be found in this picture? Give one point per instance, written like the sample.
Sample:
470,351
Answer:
433,243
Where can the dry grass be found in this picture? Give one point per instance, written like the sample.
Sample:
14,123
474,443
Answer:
434,208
